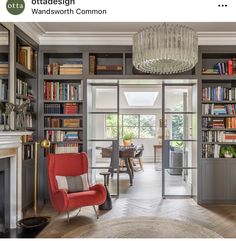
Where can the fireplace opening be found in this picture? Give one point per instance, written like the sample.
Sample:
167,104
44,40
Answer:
4,194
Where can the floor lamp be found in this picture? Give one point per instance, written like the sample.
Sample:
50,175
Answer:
36,221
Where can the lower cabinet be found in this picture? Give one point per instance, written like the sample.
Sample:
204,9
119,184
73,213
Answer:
218,180
27,183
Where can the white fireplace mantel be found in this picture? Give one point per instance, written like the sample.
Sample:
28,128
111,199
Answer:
10,146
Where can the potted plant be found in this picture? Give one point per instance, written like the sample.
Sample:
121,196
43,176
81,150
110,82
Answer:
228,151
127,139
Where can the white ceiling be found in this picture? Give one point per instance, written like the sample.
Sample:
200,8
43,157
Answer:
130,27
113,33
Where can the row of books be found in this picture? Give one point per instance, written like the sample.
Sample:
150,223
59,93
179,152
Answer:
64,69
62,91
26,57
219,123
58,122
3,89
218,93
59,136
65,148
28,151
211,151
218,136
218,109
27,138
66,108
94,68
222,68
4,68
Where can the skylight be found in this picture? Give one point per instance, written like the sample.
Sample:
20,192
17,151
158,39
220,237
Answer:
140,99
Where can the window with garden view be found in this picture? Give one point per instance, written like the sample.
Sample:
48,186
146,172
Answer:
141,126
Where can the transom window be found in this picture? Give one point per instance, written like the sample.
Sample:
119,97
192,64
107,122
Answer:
141,126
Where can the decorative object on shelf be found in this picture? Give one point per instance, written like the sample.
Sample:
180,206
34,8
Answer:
9,108
127,139
165,49
228,151
21,114
36,222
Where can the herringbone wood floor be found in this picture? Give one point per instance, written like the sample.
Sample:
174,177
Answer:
143,201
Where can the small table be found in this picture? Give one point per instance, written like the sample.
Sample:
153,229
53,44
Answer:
156,147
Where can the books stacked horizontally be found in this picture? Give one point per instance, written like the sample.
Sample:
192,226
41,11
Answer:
58,122
217,109
70,108
229,137
26,57
71,68
63,91
222,68
71,123
3,89
230,122
62,136
218,93
106,69
4,68
216,123
65,148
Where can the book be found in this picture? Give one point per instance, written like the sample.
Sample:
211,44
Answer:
92,64
27,57
71,123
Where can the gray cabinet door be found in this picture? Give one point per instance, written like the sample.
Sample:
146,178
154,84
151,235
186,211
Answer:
27,183
231,164
214,180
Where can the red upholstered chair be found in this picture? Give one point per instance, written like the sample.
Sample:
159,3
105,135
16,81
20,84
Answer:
72,164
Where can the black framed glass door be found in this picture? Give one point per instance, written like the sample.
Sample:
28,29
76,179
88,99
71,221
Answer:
179,169
102,129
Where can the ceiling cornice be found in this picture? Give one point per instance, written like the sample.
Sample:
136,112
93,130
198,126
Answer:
35,31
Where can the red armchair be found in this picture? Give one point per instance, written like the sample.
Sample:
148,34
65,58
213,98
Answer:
72,164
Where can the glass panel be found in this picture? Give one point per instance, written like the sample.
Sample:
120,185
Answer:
102,126
147,120
179,99
147,132
130,120
179,181
133,130
102,98
180,126
99,155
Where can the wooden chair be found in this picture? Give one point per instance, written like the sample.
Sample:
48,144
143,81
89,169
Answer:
138,156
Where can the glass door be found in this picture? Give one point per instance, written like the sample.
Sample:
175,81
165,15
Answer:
179,170
102,130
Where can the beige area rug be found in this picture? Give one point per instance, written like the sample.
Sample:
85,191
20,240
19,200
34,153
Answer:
142,227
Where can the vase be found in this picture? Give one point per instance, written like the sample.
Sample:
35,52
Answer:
227,155
127,142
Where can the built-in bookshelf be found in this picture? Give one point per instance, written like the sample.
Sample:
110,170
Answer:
4,73
63,101
26,82
218,124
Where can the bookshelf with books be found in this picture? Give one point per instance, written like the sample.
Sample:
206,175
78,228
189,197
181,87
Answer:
218,124
106,64
26,83
63,101
4,73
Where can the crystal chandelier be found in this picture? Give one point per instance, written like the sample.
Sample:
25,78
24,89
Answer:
165,49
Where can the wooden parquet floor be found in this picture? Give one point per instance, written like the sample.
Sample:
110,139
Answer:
219,218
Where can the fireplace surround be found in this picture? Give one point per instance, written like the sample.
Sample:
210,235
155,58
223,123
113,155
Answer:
10,149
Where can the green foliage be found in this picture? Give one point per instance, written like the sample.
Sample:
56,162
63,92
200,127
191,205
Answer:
177,123
230,150
128,136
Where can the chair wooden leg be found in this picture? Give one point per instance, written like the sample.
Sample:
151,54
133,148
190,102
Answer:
94,208
141,164
68,216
